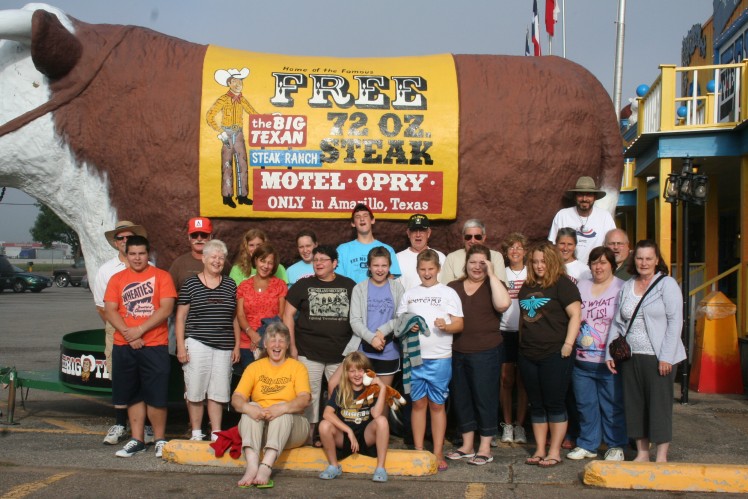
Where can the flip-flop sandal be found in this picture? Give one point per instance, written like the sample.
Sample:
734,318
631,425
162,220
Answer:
456,455
268,485
553,462
534,460
443,466
480,460
245,486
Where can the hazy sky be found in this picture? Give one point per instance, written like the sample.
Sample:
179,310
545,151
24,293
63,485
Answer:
384,28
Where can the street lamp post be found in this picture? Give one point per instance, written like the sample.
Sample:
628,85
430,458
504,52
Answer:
688,187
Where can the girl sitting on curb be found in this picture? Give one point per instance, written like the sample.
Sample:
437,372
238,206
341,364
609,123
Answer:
348,428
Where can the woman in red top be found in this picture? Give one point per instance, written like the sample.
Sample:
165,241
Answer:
261,296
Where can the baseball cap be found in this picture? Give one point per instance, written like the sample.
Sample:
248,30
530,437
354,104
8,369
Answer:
199,224
418,221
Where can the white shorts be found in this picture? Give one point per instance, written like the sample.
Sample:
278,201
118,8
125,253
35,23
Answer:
207,374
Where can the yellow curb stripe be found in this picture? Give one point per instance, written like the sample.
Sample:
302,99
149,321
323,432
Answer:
49,430
475,491
65,425
398,462
29,488
687,477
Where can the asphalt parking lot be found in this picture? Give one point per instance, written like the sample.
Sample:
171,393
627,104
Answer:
55,448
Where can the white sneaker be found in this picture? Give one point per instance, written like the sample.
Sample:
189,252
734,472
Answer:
614,454
131,448
507,434
148,435
519,434
115,434
580,453
213,436
160,448
197,437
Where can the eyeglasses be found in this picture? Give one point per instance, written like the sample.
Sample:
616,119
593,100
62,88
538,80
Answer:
203,235
516,248
120,238
321,260
477,237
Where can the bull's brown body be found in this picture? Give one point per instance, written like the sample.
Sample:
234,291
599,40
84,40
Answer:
529,127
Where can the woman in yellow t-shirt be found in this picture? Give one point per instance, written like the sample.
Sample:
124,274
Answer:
273,392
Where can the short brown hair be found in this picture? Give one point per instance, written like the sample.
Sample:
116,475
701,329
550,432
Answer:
263,251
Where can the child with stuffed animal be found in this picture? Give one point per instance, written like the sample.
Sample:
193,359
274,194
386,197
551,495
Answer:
348,427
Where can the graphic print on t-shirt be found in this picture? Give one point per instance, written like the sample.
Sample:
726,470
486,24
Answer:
270,385
514,287
137,298
328,304
533,303
589,341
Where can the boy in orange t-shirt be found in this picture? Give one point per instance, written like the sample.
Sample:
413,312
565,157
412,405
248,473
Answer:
137,302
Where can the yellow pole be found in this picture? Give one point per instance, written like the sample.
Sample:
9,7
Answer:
664,214
667,103
641,210
711,229
744,240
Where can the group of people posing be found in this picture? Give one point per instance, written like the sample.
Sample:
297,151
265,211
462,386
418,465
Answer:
475,327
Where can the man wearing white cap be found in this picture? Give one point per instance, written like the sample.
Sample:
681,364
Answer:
419,232
117,238
590,222
232,106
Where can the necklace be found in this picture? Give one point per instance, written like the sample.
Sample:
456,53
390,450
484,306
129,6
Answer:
583,221
207,283
516,274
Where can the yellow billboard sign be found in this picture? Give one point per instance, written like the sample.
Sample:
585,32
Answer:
309,137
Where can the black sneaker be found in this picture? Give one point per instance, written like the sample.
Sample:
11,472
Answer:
132,447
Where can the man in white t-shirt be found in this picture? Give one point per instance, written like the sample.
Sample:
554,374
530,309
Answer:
590,222
419,232
473,232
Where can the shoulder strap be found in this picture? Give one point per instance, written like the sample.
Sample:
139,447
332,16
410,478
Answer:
636,310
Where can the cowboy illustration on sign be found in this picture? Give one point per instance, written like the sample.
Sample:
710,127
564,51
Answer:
230,131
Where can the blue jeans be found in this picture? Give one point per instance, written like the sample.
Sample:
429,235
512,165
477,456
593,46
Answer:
599,396
546,381
476,378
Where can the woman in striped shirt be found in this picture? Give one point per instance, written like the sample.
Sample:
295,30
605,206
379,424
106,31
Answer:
207,338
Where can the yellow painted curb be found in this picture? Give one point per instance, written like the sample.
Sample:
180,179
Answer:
399,462
687,477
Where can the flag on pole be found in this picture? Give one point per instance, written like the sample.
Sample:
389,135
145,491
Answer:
527,42
535,28
551,16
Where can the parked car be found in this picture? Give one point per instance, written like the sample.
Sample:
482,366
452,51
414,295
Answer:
12,277
70,275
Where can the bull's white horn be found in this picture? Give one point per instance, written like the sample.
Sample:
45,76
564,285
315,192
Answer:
16,25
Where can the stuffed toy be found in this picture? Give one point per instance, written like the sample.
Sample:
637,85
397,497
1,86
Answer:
393,398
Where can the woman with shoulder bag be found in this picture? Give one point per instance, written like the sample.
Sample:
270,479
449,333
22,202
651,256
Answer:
654,335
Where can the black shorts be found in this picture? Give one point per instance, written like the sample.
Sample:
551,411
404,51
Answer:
385,367
140,375
511,346
363,449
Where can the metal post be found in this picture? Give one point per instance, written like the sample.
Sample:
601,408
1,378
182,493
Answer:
12,375
618,66
686,286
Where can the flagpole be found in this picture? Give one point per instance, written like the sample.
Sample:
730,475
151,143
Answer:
563,28
618,66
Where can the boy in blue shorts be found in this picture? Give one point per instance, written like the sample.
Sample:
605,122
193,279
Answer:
441,307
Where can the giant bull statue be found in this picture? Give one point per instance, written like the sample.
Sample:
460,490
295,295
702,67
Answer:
100,123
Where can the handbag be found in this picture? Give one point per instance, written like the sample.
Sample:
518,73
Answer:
619,348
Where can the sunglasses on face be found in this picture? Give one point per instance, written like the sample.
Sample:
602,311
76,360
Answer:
120,238
477,237
202,235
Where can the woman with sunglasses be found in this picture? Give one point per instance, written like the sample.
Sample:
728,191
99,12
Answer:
473,232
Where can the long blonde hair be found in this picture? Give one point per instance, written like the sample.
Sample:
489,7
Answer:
345,389
242,259
554,265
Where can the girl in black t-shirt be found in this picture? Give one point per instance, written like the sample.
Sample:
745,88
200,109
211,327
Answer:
349,428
